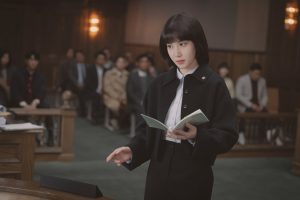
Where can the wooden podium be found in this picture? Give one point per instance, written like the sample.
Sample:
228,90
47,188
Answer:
17,154
28,190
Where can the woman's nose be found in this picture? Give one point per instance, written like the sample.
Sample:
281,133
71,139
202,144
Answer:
177,52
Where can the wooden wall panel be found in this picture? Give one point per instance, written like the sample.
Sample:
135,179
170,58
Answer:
239,61
51,27
283,50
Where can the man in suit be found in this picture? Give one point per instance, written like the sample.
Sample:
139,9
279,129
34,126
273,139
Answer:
109,63
77,76
94,87
138,82
63,80
251,91
28,89
251,94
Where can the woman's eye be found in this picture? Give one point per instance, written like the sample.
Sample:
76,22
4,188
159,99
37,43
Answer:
182,43
169,46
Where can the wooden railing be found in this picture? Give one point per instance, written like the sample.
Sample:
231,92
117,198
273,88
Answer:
265,134
296,162
62,130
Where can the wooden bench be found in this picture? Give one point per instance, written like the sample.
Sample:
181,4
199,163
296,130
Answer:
64,127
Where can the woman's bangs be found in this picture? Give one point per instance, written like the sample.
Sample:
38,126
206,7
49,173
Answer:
175,34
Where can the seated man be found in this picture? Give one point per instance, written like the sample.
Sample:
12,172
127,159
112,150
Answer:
251,94
138,82
77,77
94,88
62,83
28,89
251,91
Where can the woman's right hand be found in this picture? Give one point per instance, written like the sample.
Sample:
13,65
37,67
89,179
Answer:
120,155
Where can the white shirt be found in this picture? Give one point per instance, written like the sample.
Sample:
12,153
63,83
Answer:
81,73
100,77
141,73
174,114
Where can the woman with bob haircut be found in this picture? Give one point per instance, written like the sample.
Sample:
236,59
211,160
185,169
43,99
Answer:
181,160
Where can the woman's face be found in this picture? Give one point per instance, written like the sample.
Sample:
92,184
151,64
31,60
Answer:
5,59
121,63
183,54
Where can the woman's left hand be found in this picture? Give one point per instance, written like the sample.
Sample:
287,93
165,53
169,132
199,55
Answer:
184,135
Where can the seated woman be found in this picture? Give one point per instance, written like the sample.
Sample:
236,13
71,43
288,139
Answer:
114,94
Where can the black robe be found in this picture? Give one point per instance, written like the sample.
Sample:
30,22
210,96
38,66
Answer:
183,171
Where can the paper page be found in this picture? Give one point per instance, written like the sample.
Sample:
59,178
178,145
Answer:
153,123
23,126
194,118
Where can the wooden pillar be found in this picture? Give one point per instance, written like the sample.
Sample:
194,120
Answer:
67,134
296,162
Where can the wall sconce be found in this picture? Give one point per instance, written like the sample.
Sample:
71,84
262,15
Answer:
94,24
291,16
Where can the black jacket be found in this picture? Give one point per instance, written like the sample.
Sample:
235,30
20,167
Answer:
91,82
135,91
205,90
18,87
73,76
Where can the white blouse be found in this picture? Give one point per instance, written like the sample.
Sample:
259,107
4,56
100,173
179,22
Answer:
174,114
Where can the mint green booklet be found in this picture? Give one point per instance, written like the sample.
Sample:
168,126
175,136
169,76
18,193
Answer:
197,117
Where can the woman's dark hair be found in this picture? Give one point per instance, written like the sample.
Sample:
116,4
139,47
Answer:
2,53
182,27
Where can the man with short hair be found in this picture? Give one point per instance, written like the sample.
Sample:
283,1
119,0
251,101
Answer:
77,77
251,95
28,86
94,87
251,91
28,90
138,81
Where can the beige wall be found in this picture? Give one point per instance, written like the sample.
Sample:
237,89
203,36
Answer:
229,24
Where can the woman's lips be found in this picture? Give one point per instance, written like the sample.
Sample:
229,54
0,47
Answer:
179,61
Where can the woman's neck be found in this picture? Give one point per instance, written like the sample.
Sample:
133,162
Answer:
187,70
192,66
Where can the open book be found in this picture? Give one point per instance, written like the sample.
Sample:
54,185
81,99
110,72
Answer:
195,118
18,127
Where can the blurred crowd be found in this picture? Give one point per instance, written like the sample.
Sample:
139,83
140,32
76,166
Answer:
110,91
